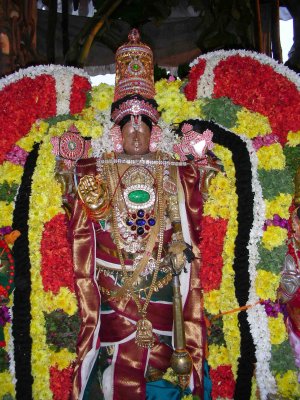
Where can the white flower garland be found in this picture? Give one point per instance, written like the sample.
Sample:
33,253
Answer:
63,85
168,138
11,350
32,72
206,81
257,317
104,143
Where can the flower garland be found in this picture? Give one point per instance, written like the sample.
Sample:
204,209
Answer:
18,86
224,207
22,304
252,80
251,113
274,185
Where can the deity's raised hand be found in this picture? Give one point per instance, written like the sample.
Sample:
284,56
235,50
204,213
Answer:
93,193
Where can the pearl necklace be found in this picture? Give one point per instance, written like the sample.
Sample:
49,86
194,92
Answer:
141,161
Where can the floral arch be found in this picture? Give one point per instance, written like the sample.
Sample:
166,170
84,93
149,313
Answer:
249,96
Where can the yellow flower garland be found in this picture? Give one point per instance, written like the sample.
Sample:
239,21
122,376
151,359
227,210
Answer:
274,236
271,157
64,300
277,329
266,285
173,105
222,202
6,213
45,191
212,301
61,359
6,387
279,205
251,124
10,172
288,384
228,299
293,139
217,355
45,204
102,96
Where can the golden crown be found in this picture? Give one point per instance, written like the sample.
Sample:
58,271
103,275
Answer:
134,68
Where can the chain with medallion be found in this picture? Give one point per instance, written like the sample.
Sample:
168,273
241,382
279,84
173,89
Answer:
138,206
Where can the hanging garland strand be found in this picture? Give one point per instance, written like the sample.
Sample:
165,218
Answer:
21,308
241,160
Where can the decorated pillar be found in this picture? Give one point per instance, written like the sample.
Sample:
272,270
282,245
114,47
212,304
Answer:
17,34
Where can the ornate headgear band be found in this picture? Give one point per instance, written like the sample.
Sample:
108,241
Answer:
135,106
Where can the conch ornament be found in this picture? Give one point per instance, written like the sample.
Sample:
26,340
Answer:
290,279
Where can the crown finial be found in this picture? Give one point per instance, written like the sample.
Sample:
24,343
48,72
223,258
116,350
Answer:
134,36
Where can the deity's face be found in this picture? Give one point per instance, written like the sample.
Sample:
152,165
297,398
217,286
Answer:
136,140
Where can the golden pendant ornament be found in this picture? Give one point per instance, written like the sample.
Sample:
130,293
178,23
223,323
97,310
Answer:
170,187
144,335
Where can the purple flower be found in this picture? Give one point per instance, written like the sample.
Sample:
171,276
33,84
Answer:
273,309
267,140
5,230
4,315
276,221
17,155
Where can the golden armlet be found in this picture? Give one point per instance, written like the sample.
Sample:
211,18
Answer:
173,208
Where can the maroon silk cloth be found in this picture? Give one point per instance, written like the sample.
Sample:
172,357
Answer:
131,361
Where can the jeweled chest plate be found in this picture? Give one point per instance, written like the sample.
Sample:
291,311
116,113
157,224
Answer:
139,190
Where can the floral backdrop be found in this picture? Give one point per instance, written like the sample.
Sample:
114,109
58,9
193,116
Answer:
252,98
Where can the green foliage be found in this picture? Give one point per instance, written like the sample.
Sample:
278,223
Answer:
221,110
292,156
4,360
282,358
216,334
272,261
59,118
7,396
62,330
275,182
8,192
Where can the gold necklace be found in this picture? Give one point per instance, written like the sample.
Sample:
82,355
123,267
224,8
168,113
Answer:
144,334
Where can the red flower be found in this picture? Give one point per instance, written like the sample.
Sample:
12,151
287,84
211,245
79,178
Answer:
79,91
61,383
3,292
57,266
196,72
259,88
223,383
21,104
211,247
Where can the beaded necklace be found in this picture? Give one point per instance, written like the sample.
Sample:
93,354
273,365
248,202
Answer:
144,335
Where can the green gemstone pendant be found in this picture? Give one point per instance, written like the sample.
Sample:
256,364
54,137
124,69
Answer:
138,196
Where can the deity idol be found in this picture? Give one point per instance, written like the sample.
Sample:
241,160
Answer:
135,229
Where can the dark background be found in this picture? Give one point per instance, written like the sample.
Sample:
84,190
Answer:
48,31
